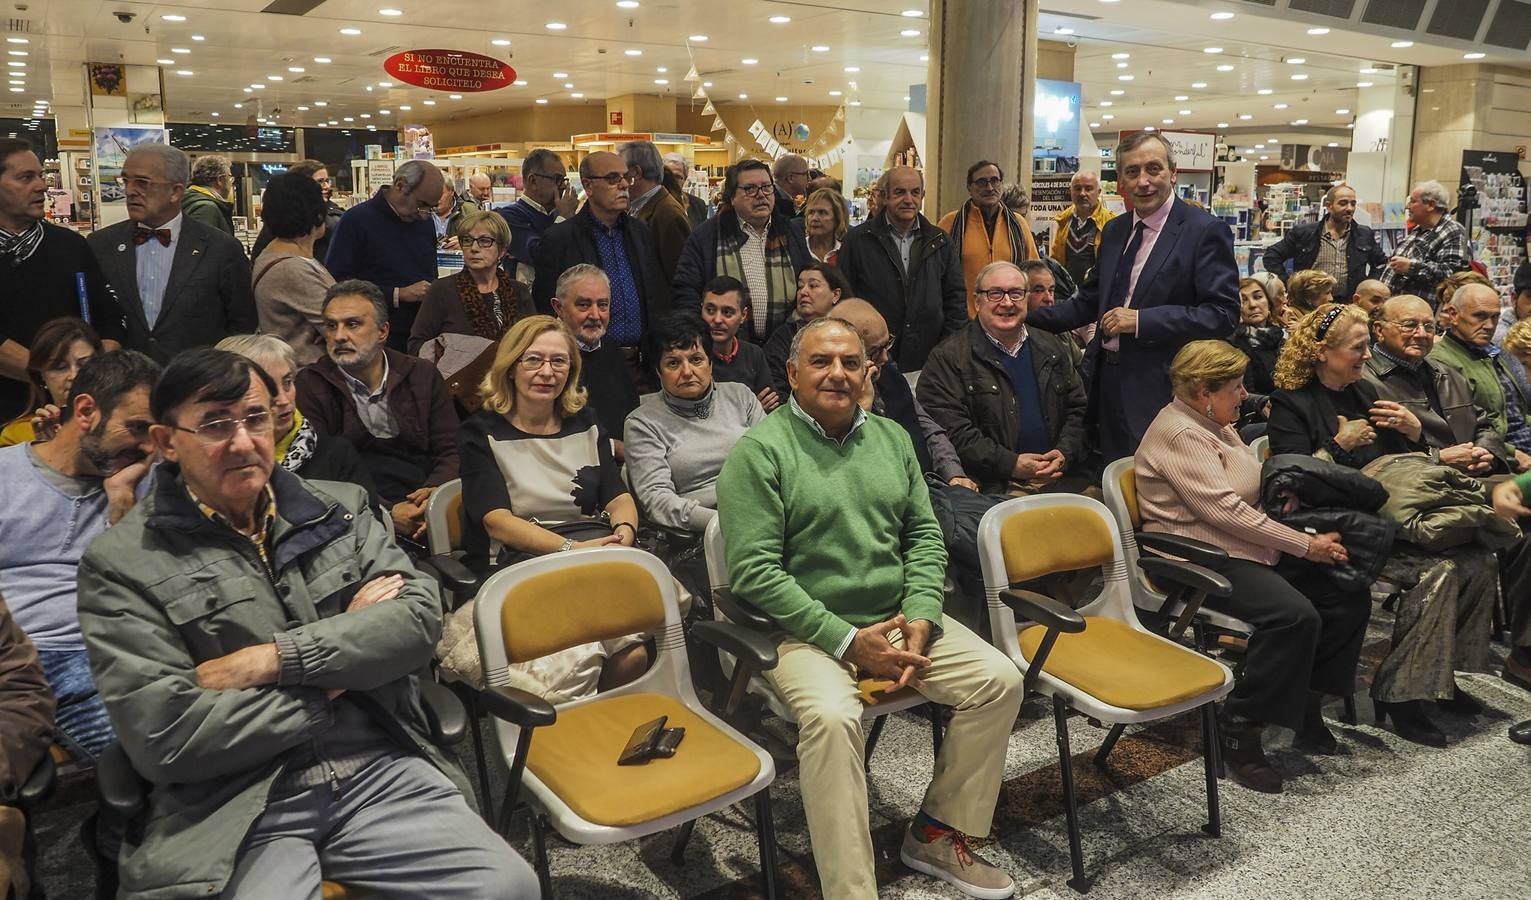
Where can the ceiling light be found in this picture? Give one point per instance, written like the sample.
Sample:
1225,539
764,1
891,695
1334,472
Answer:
554,26
781,99
1474,55
1369,70
1332,144
18,90
706,84
1342,112
16,53
454,96
17,64
661,81
912,13
1222,124
1212,49
1063,31
1121,65
390,11
248,91
501,42
1318,31
568,85
214,115
1249,151
909,32
1264,92
384,112
834,93
1296,61
430,102
257,86
179,50
1221,16
633,51
165,62
1094,124
662,69
183,71
627,4
321,103
1121,56
15,81
1225,67
369,88
1168,121
558,75
1401,45
1185,112
1299,121
1265,157
820,48
1117,92
519,82
1181,97
366,115
273,78
1279,106
1299,77
577,96
1363,84
744,96
749,61
171,17
1108,117
334,122
295,69
924,57
321,59
1198,84
15,40
350,32
1106,104
779,20
1124,78
349,119
542,101
1148,128
697,38
302,109
405,107
852,69
1245,116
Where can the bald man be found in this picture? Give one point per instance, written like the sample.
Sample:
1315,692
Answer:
1370,294
1470,318
480,190
603,234
1077,237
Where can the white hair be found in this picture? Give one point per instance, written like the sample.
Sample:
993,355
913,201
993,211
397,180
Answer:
1434,193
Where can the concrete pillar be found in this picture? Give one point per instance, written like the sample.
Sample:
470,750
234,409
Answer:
983,56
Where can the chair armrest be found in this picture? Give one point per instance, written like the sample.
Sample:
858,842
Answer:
39,784
750,646
444,713
1197,578
122,789
453,575
741,612
1189,549
517,707
1044,611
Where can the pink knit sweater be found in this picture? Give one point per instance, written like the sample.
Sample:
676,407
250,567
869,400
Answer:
1199,480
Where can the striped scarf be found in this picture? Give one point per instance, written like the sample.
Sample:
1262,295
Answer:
781,280
18,248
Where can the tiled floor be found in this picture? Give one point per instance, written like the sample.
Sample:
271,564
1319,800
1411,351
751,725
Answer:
1390,819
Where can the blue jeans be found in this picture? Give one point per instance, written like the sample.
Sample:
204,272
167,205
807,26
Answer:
83,727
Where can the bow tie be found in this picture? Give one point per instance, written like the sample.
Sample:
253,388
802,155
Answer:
144,234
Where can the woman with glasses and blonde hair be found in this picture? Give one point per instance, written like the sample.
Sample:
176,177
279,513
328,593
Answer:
482,299
1323,407
538,477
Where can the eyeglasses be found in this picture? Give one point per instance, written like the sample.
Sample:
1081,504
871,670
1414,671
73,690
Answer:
219,430
755,190
556,179
1040,289
878,351
482,241
139,184
613,179
1016,295
532,362
992,181
1411,325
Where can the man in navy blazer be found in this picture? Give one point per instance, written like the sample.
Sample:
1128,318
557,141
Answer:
1165,275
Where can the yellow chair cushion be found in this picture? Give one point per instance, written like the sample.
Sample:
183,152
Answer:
575,604
874,691
1128,482
329,890
576,757
455,522
1123,667
1050,539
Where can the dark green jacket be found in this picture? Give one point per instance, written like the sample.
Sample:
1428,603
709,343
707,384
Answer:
200,205
166,589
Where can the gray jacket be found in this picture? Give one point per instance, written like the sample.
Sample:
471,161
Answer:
1459,420
167,589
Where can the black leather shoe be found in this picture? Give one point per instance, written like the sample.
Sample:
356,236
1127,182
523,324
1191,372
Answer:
1521,734
1411,722
1517,673
1245,758
1461,703
1314,737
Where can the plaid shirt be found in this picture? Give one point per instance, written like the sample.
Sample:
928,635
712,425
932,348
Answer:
261,539
1331,254
1434,254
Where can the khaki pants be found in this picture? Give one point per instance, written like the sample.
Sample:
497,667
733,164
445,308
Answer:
966,673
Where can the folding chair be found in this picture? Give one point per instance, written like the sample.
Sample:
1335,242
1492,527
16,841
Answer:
566,755
1099,660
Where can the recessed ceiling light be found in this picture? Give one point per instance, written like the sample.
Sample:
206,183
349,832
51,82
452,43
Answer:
179,50
1106,104
633,51
627,4
661,81
321,103
1221,16
302,109
1296,61
1299,121
820,48
1249,151
1318,31
183,71
1363,84
779,20
214,115
1198,84
15,81
165,62
781,99
909,32
1124,78
1185,112
706,84
1342,112
1108,117
349,119
853,69
912,13
258,86
1332,144
1182,97
454,96
1225,67
697,38
18,90
385,112
350,32
749,61
662,69
1212,49
554,26
1148,128
519,82
321,59
1167,121
248,91
744,96
924,57
369,88
577,96
1117,92
1121,56
390,11
14,40
557,75
1222,124
834,93
1279,106
405,107
273,78
1473,55
366,115
1063,31
1264,92
542,101
1245,116
1265,157
1299,77
171,17
568,85
1094,124
16,53
430,102
297,70
501,42
1401,45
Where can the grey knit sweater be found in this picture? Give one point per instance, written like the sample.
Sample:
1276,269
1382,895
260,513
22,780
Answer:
673,460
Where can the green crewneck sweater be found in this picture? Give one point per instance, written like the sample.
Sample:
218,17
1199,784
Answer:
826,537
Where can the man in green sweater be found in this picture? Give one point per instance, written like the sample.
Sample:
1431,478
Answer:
830,532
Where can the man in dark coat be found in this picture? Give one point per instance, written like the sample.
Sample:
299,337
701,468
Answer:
1336,244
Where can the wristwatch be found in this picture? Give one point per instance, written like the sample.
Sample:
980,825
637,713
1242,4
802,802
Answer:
567,544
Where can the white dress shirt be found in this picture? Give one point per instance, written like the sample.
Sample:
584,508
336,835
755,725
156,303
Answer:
152,262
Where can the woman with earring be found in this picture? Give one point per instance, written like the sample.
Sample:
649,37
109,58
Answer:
1196,478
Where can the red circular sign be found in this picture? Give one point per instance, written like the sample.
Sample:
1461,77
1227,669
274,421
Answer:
449,70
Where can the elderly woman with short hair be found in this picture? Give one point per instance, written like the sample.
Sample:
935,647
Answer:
826,219
482,299
1197,479
1322,407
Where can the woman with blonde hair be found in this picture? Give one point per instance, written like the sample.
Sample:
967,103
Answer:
482,299
1275,292
826,219
1455,282
1322,407
1197,479
1309,289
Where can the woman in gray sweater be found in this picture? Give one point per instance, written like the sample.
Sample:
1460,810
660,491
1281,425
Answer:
678,438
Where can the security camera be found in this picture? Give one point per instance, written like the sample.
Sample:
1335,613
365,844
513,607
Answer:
126,17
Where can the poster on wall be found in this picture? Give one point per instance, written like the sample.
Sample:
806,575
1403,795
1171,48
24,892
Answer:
1194,150
1049,196
109,148
108,79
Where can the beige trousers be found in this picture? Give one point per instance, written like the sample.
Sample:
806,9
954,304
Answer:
979,682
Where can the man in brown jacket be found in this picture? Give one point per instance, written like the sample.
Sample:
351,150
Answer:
654,206
26,730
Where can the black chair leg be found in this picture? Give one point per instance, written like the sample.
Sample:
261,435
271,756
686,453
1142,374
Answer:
1071,804
877,724
1114,735
540,856
937,727
470,704
682,838
1350,717
765,831
1212,751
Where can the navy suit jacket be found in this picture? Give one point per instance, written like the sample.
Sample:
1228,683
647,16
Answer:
1188,291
